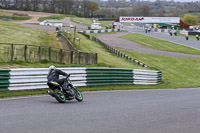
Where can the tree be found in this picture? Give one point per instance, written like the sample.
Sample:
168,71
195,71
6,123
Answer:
35,4
85,8
93,6
190,19
28,5
145,10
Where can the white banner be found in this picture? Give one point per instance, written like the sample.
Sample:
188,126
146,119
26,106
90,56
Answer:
173,20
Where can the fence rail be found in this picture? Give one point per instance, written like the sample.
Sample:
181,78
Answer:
32,53
35,78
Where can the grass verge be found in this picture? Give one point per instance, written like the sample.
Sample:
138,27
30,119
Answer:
58,17
15,17
41,64
8,15
160,44
106,23
6,94
84,21
18,34
177,72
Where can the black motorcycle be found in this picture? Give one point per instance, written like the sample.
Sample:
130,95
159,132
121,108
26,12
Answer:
65,92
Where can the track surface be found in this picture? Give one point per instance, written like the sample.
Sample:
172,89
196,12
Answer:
176,39
137,111
116,41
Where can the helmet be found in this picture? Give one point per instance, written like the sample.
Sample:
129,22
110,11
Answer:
52,67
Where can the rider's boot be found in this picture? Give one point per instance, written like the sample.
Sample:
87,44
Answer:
50,93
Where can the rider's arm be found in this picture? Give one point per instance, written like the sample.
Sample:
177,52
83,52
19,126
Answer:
60,72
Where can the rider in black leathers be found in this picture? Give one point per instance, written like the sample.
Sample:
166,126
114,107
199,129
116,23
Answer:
53,75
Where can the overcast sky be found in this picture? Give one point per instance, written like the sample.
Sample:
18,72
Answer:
168,0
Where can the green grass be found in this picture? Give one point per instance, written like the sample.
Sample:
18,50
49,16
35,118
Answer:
177,72
18,34
3,13
5,94
41,64
16,17
106,23
81,20
160,44
8,15
58,17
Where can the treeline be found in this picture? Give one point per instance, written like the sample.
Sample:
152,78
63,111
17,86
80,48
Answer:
84,8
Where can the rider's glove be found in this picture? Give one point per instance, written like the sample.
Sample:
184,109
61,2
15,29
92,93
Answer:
68,74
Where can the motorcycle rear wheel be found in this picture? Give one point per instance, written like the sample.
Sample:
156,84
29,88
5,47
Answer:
78,95
60,97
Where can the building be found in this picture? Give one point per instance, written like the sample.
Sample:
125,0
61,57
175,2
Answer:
52,22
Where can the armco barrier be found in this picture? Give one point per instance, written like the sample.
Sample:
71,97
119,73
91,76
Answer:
159,30
99,31
35,78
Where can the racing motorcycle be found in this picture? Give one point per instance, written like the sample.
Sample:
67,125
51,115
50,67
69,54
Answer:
65,92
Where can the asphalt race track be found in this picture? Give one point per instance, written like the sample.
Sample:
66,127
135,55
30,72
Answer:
137,111
193,43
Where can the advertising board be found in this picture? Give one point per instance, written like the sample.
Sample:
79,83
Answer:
174,20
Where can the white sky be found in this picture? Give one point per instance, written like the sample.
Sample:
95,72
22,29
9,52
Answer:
168,0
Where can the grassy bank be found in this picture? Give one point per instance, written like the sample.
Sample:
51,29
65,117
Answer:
58,17
177,72
19,18
160,44
41,64
84,21
18,34
106,23
8,15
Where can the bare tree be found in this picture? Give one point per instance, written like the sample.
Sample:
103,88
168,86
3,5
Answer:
35,4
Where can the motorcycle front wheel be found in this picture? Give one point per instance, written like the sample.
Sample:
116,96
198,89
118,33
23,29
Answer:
60,97
78,95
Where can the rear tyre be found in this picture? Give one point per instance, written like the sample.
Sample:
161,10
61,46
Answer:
60,97
78,95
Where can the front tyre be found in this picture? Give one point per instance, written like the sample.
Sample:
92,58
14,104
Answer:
60,97
78,95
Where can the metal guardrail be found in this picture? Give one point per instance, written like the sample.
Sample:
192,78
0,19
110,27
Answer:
36,78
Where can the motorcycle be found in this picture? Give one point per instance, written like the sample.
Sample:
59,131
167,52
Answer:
62,94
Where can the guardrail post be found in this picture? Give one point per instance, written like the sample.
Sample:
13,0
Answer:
39,53
12,52
79,57
25,50
72,57
61,58
87,60
49,53
96,58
